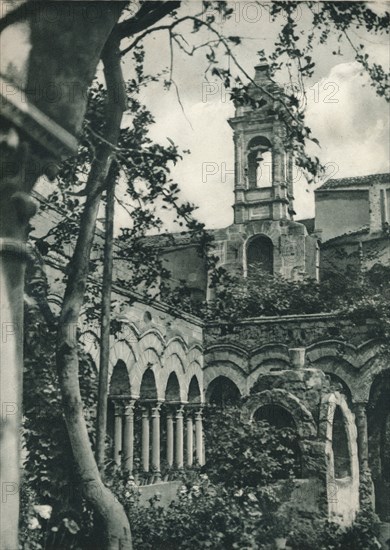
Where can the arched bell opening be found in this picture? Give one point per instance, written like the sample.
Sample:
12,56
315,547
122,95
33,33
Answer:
259,163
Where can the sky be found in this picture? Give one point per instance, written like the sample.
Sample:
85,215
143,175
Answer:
347,117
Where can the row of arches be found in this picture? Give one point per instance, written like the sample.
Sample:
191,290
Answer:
353,367
120,385
370,425
152,436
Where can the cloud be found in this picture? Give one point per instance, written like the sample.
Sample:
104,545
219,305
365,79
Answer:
350,121
344,113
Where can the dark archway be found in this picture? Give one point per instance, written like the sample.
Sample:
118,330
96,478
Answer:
260,255
222,392
119,383
340,447
148,386
172,392
194,391
281,419
378,416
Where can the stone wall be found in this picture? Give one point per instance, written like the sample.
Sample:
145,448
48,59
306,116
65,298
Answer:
289,330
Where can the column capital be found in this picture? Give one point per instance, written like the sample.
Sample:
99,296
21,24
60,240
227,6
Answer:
180,411
199,413
118,407
156,408
359,407
128,407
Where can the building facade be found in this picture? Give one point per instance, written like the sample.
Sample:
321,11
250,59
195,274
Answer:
321,375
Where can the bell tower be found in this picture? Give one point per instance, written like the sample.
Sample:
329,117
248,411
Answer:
263,165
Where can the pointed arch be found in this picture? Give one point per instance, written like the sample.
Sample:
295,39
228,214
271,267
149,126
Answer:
152,339
148,389
172,390
119,381
222,391
194,394
229,370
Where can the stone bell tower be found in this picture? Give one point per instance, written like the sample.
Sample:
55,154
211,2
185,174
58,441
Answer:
263,185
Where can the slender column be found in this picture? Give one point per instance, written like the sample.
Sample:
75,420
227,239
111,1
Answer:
128,436
169,438
179,437
362,434
145,439
199,437
156,438
190,439
118,433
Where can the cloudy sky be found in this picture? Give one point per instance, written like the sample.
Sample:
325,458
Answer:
349,119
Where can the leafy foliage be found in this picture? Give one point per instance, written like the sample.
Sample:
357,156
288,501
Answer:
235,503
247,455
232,504
50,477
362,535
356,295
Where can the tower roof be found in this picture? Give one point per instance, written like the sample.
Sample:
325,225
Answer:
262,71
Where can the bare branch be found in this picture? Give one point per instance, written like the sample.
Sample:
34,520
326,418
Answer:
148,15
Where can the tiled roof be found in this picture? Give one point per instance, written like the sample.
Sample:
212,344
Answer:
358,181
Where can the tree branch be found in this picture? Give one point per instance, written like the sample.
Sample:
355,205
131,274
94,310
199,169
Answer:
148,14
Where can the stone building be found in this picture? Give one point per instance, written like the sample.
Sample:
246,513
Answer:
352,218
321,375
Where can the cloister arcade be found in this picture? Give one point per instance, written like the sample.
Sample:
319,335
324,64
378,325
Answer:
354,421
332,394
155,403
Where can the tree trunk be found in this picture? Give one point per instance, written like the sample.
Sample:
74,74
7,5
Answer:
37,132
103,501
101,421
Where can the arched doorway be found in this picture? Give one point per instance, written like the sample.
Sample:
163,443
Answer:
280,418
223,393
260,255
378,417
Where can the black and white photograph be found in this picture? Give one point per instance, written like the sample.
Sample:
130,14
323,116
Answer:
195,275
